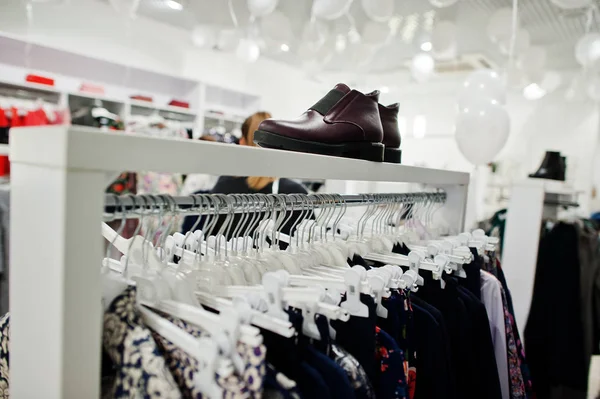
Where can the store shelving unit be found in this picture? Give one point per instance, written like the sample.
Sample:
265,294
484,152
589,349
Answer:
120,83
58,179
527,208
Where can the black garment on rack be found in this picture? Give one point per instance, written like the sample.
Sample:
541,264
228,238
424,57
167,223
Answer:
357,336
472,282
435,376
287,357
488,380
459,322
554,332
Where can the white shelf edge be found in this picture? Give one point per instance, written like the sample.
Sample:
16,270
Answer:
84,148
4,149
165,108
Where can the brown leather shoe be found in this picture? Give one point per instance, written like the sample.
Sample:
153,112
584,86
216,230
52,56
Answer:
344,123
391,132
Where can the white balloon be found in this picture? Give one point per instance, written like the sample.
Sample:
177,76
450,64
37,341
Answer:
443,37
277,27
571,4
484,84
587,50
375,32
260,8
203,36
482,129
593,89
247,50
330,9
378,10
422,67
442,3
522,42
500,25
533,60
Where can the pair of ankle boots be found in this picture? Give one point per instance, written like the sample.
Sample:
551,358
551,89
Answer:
553,167
344,123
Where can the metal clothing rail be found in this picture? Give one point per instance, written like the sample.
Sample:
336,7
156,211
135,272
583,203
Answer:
117,206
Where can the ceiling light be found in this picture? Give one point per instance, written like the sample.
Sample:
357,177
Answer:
426,46
533,92
174,5
285,48
384,89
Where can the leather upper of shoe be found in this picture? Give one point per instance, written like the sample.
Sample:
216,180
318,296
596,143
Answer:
342,116
389,121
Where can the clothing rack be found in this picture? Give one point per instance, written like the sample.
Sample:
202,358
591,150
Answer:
116,206
58,177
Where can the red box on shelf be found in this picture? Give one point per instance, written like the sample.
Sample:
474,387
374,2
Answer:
39,79
181,104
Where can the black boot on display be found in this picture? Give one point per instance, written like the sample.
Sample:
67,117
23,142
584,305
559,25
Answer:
552,167
563,171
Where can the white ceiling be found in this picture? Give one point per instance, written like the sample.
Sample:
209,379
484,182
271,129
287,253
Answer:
550,27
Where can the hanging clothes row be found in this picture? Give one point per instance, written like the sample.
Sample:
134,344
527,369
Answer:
354,307
563,326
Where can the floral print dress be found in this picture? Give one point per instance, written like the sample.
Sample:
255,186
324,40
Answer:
141,369
247,385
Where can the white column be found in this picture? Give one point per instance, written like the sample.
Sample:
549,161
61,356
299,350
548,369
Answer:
521,242
55,292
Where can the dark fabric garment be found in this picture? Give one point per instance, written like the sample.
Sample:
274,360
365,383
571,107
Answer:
472,269
487,380
288,358
238,185
356,374
357,336
589,261
401,249
423,343
554,331
457,321
391,324
391,377
435,376
334,376
310,383
279,385
358,260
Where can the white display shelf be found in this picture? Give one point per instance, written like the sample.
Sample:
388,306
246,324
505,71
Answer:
165,108
97,150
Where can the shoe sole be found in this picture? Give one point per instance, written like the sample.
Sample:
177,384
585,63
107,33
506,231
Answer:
392,155
367,151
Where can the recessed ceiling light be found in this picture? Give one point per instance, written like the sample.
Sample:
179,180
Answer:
384,89
533,92
174,5
285,48
426,46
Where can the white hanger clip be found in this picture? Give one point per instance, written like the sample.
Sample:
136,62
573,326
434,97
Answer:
205,379
353,278
273,284
377,284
